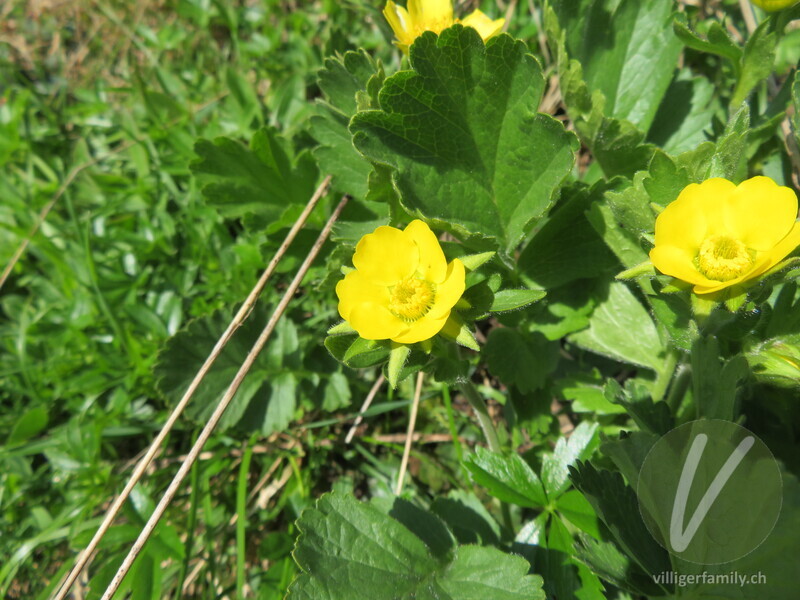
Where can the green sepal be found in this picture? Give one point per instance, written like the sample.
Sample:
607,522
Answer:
462,304
656,208
641,270
345,269
458,331
397,358
675,286
703,306
506,300
343,328
473,261
736,299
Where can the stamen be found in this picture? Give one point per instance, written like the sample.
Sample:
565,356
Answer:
722,258
411,299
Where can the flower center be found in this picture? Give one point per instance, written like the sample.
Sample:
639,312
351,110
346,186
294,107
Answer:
411,299
723,258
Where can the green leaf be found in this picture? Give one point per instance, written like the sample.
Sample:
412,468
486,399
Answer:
715,383
650,416
524,360
757,62
30,424
627,49
567,247
337,392
777,361
506,300
507,477
686,115
616,505
574,507
621,328
555,467
467,517
262,179
341,80
462,132
729,160
624,244
718,41
605,559
267,394
585,392
349,550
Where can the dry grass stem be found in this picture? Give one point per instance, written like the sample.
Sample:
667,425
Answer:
364,407
412,421
197,448
155,446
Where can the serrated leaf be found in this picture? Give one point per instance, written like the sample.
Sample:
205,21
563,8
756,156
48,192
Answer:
349,550
616,505
555,467
341,80
262,179
462,131
507,477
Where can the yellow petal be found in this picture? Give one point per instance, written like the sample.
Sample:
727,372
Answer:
433,15
760,213
484,25
400,22
374,322
697,213
678,262
432,263
421,329
763,263
449,291
386,256
354,289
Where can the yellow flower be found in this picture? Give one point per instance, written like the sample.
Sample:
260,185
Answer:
774,5
435,16
717,234
402,288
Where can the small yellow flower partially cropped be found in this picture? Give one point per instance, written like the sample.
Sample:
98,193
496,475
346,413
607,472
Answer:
717,234
402,288
774,5
435,16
